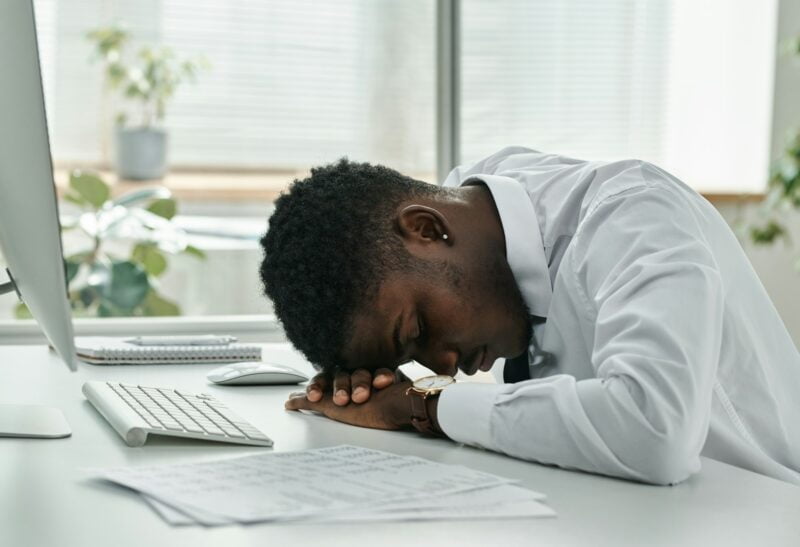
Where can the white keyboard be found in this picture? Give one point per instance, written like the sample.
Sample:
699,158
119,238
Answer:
138,411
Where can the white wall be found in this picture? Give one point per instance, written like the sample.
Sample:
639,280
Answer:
775,265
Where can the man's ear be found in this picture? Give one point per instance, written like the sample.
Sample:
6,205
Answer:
422,225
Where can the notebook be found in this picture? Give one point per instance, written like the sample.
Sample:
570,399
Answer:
116,351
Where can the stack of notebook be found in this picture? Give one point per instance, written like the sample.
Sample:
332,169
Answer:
119,351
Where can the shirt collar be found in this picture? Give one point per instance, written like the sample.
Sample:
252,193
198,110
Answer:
524,244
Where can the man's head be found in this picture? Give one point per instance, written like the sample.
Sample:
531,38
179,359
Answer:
368,268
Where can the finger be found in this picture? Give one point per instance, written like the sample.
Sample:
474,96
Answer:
383,377
317,387
341,388
297,401
360,382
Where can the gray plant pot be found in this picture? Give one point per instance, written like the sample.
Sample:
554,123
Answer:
141,153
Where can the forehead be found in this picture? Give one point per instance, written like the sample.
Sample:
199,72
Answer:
370,344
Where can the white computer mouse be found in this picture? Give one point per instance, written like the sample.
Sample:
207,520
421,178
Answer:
255,373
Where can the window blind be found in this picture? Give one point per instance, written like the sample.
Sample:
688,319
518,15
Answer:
291,83
684,84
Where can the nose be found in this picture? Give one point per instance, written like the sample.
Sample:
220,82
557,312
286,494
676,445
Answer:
441,360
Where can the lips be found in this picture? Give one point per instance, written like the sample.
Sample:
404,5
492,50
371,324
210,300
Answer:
487,362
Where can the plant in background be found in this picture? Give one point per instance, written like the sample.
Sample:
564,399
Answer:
783,194
148,80
102,280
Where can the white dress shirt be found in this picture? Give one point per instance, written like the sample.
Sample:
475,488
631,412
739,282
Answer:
665,343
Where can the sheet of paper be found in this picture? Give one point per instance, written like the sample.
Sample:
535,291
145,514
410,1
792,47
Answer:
525,509
497,502
493,495
169,513
503,501
293,484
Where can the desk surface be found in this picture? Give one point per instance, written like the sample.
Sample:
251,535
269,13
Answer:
46,500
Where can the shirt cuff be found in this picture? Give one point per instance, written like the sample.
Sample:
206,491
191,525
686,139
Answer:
464,412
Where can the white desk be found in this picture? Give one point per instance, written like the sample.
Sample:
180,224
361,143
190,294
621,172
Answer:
44,501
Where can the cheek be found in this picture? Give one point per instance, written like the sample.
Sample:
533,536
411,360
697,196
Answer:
457,314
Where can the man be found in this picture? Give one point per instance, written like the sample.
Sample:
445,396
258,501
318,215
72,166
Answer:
636,336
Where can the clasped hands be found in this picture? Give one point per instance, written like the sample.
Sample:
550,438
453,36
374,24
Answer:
363,398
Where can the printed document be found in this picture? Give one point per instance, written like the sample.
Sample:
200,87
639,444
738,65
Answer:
341,483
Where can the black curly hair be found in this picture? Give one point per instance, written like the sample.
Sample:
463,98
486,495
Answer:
329,245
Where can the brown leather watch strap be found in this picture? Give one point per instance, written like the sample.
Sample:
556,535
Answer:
419,411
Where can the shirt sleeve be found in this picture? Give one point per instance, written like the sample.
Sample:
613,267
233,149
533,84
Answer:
646,280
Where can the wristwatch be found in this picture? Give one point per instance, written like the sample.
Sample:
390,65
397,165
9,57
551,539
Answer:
420,391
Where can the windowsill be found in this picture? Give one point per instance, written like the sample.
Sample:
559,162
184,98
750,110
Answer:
203,186
248,328
718,198
232,187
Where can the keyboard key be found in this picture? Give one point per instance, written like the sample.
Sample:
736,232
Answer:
253,433
226,413
258,436
173,425
186,422
146,415
231,431
214,430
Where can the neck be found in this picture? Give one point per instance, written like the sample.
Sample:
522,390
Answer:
481,214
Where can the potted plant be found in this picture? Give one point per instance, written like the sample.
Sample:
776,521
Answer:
126,244
148,81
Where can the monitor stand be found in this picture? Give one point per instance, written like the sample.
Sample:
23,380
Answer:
30,421
33,421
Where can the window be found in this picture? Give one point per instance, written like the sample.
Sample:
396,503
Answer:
291,83
683,84
294,83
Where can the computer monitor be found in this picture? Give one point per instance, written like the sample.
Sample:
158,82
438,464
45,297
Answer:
30,232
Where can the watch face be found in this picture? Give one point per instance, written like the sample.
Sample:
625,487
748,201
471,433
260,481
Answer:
433,382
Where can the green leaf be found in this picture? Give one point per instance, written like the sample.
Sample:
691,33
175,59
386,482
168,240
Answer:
90,188
151,259
105,310
108,39
157,305
71,268
764,235
165,208
21,311
194,251
128,287
77,199
86,296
